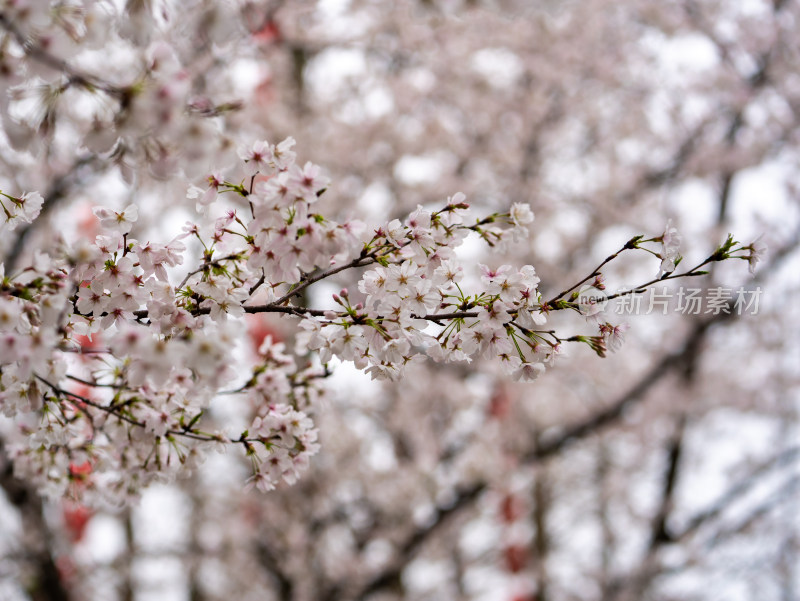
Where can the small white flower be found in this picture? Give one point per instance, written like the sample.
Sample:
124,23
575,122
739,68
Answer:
283,154
448,273
667,265
528,372
757,251
258,157
31,205
670,243
614,335
121,221
521,214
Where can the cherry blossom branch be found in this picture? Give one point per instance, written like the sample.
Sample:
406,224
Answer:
207,264
726,251
630,244
365,258
361,261
113,411
277,306
96,384
289,310
176,355
663,278
84,351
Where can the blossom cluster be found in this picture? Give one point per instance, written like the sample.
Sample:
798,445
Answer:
16,210
111,369
414,307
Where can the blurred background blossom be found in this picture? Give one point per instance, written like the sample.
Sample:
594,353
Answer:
668,470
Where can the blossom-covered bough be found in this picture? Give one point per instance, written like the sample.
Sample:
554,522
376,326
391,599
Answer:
108,365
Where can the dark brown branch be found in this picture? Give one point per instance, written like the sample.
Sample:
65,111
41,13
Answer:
786,493
634,395
659,534
595,272
114,412
414,542
541,543
737,491
359,262
47,584
270,563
